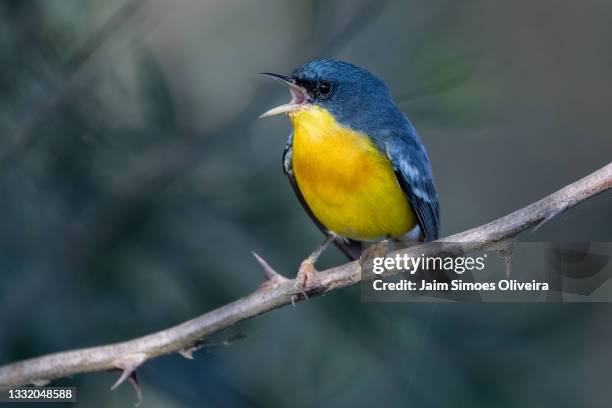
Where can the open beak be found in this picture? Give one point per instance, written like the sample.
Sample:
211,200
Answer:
299,96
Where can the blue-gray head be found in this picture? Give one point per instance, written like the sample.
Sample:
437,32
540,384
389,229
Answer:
345,90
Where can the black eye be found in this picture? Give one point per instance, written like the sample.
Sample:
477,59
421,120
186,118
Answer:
324,88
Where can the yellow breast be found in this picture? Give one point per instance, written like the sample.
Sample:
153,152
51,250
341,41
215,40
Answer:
348,184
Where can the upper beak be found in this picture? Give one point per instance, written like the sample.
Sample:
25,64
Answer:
298,95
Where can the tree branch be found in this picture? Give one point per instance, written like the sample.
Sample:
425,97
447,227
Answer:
277,291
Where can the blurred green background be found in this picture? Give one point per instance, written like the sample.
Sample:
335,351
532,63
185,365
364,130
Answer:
135,180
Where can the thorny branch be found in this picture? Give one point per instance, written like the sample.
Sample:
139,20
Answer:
278,291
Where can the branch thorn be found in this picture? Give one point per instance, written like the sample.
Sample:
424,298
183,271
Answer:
549,217
136,385
128,365
504,248
188,352
271,275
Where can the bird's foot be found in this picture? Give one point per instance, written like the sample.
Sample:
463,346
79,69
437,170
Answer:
371,253
307,279
378,250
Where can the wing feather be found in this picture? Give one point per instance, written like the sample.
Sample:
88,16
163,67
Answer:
413,173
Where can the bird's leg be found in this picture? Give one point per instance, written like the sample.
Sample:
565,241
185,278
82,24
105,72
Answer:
307,271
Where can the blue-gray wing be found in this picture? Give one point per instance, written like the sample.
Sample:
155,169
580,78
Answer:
413,172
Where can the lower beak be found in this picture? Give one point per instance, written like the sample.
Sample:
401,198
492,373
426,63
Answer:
298,96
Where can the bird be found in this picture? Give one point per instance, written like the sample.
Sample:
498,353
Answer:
355,161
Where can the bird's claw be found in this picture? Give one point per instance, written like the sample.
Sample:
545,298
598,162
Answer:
306,273
378,250
306,279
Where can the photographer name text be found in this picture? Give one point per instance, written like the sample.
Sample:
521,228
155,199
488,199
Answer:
457,265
